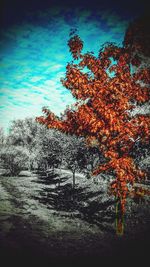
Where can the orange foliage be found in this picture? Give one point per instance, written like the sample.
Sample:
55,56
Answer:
103,116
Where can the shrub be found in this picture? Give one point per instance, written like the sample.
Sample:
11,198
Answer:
14,159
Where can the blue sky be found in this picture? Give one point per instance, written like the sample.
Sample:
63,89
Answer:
34,54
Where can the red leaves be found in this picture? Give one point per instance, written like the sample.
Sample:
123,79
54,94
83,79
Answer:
143,75
104,118
76,45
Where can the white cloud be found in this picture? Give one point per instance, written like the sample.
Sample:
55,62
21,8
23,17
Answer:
36,58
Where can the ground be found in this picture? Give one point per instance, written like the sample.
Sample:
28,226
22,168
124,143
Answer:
43,220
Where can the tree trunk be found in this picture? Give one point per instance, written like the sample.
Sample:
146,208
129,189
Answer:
92,167
74,179
29,166
60,175
53,168
60,166
119,219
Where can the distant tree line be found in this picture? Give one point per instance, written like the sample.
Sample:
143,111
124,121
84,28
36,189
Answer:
31,146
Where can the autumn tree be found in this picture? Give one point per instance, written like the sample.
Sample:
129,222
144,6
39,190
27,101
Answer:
106,95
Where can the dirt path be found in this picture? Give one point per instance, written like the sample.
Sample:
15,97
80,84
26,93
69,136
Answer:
26,224
35,222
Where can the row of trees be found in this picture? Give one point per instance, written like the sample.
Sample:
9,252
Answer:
32,146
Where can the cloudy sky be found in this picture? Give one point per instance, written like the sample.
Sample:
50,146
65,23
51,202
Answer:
34,52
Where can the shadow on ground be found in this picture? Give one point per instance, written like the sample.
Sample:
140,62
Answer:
79,202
